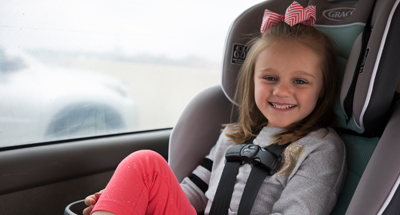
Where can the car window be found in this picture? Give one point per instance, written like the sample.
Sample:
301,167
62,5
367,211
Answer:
71,69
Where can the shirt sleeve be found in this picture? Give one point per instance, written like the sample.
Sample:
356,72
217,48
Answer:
196,185
314,187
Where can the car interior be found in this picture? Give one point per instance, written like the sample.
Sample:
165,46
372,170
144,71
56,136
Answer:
53,177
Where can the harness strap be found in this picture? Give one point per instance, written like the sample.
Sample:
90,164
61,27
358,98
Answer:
255,180
223,195
265,162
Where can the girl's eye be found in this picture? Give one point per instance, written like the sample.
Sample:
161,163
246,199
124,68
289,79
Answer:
269,78
300,82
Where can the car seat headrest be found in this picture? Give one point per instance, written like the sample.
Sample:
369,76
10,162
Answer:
345,22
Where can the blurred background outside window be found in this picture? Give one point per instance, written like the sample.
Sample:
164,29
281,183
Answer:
71,69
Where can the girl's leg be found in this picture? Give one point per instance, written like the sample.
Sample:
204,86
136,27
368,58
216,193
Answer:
143,183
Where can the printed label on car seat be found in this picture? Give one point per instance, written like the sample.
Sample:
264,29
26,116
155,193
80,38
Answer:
239,53
338,14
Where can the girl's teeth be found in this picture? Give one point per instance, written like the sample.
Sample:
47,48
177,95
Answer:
282,106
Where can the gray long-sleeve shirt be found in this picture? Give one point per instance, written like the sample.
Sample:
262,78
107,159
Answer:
308,181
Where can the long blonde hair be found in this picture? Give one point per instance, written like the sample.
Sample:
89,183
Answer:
250,117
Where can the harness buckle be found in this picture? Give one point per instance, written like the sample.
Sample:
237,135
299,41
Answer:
255,155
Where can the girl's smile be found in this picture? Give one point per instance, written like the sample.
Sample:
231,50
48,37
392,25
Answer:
281,106
287,82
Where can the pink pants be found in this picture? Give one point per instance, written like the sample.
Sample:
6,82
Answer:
143,183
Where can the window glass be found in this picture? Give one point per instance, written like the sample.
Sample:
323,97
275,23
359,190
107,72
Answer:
71,69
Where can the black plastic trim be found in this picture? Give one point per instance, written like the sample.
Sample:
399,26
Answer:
40,164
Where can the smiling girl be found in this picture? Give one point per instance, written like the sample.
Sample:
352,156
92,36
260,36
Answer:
286,90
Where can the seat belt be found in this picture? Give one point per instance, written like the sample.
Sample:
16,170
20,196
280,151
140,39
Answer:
265,162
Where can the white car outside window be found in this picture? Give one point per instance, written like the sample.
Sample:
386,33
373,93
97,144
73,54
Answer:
76,69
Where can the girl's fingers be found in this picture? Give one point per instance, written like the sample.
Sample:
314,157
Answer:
90,200
87,210
97,195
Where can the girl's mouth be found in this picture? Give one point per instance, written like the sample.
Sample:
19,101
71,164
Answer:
282,106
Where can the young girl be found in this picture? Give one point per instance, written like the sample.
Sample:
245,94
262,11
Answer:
286,90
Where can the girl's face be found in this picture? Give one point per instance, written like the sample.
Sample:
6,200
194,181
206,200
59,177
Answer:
287,82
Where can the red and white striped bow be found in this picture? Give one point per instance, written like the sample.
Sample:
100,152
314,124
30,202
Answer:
294,14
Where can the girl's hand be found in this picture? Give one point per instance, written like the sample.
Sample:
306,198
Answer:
90,201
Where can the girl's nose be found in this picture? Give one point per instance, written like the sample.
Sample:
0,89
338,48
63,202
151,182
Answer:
282,90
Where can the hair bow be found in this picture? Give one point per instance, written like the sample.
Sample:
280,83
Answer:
294,14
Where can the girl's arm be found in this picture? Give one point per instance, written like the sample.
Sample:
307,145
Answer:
196,185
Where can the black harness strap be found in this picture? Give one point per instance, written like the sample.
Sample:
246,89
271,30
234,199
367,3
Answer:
223,195
265,162
256,178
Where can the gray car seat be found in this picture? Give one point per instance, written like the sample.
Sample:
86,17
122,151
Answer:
366,36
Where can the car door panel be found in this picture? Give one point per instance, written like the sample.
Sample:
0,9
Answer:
44,178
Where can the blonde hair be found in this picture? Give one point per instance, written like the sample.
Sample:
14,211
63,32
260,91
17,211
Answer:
250,117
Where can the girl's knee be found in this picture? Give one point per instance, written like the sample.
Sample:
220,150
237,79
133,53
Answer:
147,154
145,159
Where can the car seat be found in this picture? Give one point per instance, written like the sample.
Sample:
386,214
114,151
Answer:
364,32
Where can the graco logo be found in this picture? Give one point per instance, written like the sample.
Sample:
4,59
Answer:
239,54
338,14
